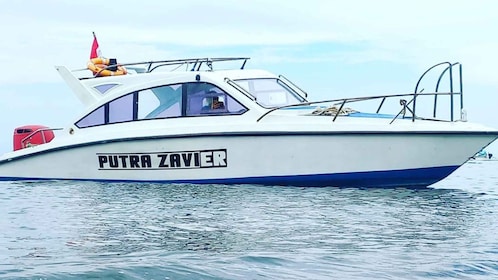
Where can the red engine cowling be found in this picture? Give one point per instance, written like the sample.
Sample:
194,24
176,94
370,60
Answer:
30,135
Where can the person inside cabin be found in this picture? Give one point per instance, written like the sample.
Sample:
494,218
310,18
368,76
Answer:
212,103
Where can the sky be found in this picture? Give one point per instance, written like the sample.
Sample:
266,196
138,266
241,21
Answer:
332,49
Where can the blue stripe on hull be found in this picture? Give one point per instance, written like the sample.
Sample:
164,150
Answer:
420,177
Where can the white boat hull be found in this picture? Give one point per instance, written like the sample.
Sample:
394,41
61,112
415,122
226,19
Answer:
239,126
279,158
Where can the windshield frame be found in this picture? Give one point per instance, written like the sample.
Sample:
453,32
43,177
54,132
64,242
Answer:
267,91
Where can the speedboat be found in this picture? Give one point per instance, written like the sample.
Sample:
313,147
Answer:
213,121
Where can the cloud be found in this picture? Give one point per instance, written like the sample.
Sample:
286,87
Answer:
348,36
131,28
417,33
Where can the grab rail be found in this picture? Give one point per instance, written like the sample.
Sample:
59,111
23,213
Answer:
240,88
451,84
404,103
344,101
287,81
196,63
40,130
450,68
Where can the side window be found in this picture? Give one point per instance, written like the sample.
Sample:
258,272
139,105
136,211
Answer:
208,99
96,117
160,102
121,109
118,110
105,87
165,102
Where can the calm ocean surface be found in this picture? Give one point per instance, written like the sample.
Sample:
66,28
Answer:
68,230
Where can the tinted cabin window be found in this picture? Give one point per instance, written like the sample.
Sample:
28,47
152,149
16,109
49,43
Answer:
208,99
96,117
121,109
160,102
165,102
118,110
105,87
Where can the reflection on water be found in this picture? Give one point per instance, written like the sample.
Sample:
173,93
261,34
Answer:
152,231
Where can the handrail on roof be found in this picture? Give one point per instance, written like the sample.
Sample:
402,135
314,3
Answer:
196,63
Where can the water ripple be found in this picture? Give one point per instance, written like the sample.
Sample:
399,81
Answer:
67,230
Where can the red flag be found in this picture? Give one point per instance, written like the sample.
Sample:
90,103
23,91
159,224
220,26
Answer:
95,48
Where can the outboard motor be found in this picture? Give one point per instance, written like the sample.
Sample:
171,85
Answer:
31,135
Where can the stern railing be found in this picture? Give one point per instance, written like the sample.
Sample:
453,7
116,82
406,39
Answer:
32,134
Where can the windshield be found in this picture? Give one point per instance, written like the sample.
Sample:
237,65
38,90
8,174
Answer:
270,92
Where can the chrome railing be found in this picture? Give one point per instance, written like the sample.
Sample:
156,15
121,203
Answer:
32,134
194,64
408,105
191,64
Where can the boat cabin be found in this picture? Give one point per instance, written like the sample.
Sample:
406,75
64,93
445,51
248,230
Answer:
201,93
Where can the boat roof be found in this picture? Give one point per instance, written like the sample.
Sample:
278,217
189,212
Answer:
224,71
91,89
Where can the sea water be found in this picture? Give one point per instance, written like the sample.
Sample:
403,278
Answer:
85,230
